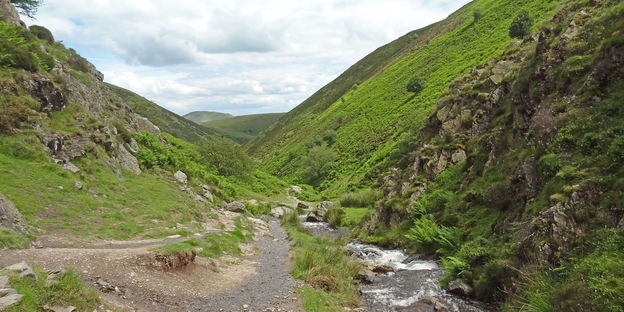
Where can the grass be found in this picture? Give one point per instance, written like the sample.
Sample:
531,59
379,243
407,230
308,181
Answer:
69,291
243,128
324,265
12,240
215,245
369,106
361,199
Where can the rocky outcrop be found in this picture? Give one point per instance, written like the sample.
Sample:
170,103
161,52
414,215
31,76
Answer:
170,261
9,14
41,88
10,217
319,214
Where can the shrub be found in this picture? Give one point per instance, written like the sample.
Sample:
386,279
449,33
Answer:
335,216
477,14
329,136
227,157
42,33
521,25
318,162
549,165
416,85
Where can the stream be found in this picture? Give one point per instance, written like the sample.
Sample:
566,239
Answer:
412,280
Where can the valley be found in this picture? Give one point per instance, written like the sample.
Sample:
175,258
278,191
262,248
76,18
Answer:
475,164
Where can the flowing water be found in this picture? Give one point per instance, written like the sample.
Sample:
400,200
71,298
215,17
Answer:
412,280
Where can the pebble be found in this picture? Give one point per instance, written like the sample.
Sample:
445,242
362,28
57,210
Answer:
245,306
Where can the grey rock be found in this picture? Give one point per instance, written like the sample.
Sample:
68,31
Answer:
128,161
9,14
10,217
296,189
458,156
303,205
459,288
199,198
9,301
235,206
59,308
24,270
70,167
180,177
4,281
7,291
78,185
366,276
253,202
279,211
134,147
144,124
322,207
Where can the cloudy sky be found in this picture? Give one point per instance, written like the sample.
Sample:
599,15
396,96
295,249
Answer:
234,56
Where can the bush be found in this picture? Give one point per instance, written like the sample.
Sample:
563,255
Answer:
318,163
335,216
42,33
227,157
416,85
477,14
329,136
521,25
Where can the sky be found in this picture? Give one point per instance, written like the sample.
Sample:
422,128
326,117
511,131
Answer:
232,56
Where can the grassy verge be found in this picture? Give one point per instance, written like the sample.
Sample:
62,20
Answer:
215,245
68,291
323,264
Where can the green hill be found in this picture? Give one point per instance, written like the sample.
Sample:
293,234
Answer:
368,106
243,128
164,119
203,116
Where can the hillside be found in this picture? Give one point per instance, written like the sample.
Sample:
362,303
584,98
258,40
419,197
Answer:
243,128
165,120
203,116
368,106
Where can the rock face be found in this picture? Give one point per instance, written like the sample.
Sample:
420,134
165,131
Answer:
235,206
10,217
9,14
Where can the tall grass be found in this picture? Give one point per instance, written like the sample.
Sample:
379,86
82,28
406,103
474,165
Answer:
361,199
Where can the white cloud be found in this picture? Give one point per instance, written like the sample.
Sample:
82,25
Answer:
237,56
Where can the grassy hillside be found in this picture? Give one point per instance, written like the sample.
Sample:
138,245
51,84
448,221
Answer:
369,107
203,116
165,120
243,128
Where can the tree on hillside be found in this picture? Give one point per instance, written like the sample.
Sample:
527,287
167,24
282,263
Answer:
416,85
521,25
27,7
318,163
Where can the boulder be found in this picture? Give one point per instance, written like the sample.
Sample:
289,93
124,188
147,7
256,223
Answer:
253,202
235,206
383,269
7,291
59,308
296,189
278,212
366,276
459,288
9,301
128,161
311,217
322,207
78,185
70,167
303,205
180,177
23,269
199,198
10,217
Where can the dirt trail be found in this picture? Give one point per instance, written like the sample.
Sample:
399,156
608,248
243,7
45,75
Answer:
260,279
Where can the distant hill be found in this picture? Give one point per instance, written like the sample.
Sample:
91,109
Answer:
165,120
204,116
243,128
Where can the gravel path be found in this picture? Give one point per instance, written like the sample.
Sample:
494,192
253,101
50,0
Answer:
272,289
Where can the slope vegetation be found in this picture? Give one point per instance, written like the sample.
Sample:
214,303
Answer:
167,121
243,128
368,106
202,116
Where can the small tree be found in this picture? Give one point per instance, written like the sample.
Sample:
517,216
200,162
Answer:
521,25
477,14
416,85
318,163
27,7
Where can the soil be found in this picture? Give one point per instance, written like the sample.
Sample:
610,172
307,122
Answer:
260,280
